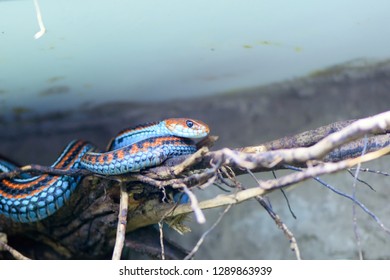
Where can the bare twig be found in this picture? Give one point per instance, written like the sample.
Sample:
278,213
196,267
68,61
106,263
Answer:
160,228
42,28
200,218
122,222
293,242
191,160
290,236
354,219
358,179
17,255
286,198
202,238
368,170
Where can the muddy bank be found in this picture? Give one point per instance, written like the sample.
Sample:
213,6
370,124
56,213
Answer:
323,227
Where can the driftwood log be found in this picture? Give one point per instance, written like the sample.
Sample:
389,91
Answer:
106,214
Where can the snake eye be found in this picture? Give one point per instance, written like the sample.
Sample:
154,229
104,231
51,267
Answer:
189,123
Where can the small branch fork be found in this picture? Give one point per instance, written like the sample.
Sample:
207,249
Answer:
326,150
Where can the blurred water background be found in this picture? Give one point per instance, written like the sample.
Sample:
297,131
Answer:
97,51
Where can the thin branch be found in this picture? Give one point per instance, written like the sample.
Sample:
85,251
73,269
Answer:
160,228
200,218
191,160
203,237
122,223
17,255
42,28
379,172
358,179
286,198
354,219
290,236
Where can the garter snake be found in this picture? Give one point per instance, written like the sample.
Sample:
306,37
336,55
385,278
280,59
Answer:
30,199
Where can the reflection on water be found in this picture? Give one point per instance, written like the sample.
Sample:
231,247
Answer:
97,51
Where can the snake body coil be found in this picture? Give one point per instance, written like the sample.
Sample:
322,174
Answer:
35,198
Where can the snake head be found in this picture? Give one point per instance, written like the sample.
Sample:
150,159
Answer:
190,128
